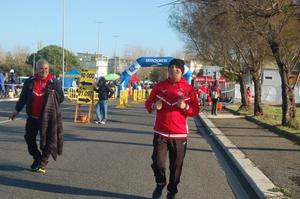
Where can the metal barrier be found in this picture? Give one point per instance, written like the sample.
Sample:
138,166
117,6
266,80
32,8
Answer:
123,99
135,95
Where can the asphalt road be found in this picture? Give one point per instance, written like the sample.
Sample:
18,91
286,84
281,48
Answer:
110,161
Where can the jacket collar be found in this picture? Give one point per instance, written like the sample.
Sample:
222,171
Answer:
179,82
36,77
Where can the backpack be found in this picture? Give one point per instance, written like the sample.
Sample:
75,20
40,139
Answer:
214,94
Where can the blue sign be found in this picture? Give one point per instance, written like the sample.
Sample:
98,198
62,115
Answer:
148,62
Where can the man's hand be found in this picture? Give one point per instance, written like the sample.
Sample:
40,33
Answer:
181,104
13,115
158,105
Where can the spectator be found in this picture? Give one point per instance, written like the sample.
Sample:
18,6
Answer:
58,78
248,93
11,87
74,83
104,92
2,87
215,94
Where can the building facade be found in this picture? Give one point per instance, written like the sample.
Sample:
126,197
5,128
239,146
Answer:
117,64
94,60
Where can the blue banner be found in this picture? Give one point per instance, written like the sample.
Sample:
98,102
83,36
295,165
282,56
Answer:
148,62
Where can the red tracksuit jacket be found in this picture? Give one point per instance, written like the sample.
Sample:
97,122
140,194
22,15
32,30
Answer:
171,121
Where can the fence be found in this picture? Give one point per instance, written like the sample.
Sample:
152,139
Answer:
269,94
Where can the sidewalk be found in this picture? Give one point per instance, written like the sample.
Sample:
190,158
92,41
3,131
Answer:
277,157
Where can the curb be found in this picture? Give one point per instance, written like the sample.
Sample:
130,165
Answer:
260,183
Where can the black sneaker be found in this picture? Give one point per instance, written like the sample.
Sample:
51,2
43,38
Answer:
35,165
158,190
171,195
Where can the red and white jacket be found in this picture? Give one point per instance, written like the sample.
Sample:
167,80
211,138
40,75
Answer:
38,98
171,121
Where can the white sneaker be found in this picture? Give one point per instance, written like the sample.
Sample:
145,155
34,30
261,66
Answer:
97,122
102,122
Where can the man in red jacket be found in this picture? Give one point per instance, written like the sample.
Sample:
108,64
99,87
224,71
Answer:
34,95
173,100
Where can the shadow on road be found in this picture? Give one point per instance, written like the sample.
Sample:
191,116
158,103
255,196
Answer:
10,167
70,137
114,130
62,189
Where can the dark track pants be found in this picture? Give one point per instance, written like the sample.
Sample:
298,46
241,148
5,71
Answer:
177,150
31,131
214,106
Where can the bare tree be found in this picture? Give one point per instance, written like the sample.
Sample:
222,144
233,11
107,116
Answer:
2,56
161,52
20,55
133,52
272,23
210,38
277,22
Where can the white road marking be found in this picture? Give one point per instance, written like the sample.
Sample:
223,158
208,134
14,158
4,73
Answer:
6,121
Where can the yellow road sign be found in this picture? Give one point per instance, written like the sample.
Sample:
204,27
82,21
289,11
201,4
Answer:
87,76
85,96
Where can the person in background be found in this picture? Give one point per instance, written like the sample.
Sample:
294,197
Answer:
248,93
209,101
42,95
58,78
173,100
2,87
104,93
215,93
74,83
203,94
117,88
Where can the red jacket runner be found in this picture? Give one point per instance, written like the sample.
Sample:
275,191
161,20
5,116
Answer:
171,121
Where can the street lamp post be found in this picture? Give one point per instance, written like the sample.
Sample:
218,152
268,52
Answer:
33,64
115,36
63,45
98,47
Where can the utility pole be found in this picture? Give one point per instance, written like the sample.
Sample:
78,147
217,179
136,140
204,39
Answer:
33,64
98,46
63,45
115,65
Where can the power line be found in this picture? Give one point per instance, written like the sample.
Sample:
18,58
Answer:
171,3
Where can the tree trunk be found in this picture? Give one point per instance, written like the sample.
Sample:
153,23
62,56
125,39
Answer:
244,103
288,98
292,122
258,110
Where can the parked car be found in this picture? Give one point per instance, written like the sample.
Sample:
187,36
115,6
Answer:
21,79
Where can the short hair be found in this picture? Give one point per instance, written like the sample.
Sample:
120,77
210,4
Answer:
41,62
